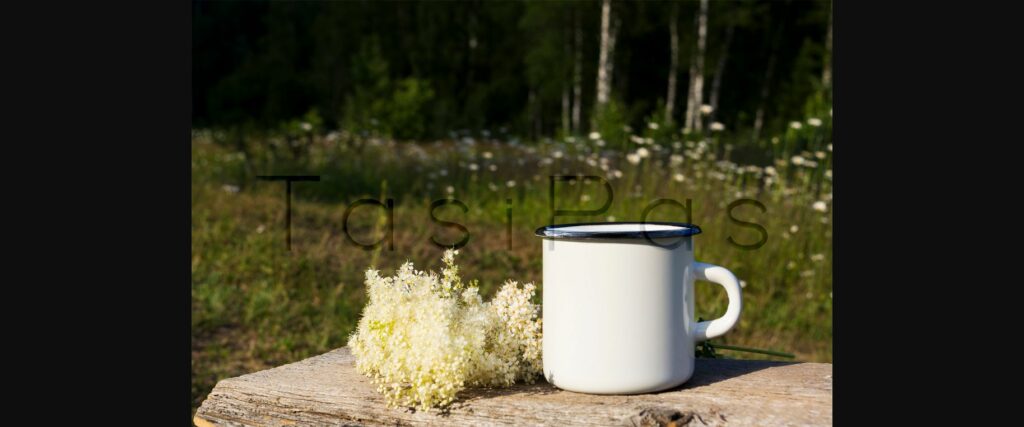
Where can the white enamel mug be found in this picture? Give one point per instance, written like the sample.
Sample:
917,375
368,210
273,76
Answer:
618,306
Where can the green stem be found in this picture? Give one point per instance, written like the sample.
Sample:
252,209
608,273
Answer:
754,350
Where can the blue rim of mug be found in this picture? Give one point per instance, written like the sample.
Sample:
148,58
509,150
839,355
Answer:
555,231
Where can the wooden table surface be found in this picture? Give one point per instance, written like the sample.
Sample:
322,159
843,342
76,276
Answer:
326,390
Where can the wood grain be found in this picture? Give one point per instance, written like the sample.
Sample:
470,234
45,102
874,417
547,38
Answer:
326,390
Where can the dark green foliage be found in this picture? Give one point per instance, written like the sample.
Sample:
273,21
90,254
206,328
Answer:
419,70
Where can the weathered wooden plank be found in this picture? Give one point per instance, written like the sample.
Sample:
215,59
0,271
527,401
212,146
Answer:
326,390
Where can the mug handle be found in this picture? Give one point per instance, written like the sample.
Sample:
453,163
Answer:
714,328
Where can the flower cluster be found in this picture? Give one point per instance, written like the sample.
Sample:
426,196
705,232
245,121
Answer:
424,337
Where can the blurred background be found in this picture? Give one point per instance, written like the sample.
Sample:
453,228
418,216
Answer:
708,103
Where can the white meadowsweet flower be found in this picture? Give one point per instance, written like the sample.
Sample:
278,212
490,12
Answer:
675,159
775,140
493,167
617,173
652,126
419,322
584,197
230,189
511,183
595,135
557,154
820,206
770,171
599,143
474,166
796,125
829,147
818,257
636,139
611,218
306,126
449,189
797,160
706,109
717,127
794,228
819,154
678,177
633,158
488,154
643,152
828,174
743,283
814,121
492,186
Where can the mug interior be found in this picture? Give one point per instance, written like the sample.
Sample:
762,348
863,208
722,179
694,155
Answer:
618,230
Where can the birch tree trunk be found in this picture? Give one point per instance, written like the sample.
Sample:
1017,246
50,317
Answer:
716,84
577,72
603,75
688,115
673,69
698,78
765,84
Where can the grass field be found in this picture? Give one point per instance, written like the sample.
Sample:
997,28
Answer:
257,305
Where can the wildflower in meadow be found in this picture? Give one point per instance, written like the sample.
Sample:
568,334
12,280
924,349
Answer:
794,228
677,145
443,172
636,139
584,197
818,257
652,126
633,158
493,167
810,164
306,126
820,206
511,183
492,187
643,153
474,166
230,189
819,154
814,121
797,160
488,154
648,141
261,229
717,127
611,218
706,109
675,159
775,140
829,147
678,177
595,135
617,173
449,189
770,171
599,143
796,125
557,154
743,283
828,174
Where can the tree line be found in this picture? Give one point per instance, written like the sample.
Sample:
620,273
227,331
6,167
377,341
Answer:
423,69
